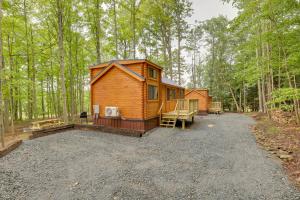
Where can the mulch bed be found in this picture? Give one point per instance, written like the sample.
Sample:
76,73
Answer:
280,136
10,147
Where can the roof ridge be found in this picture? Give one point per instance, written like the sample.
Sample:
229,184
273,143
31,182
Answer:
122,67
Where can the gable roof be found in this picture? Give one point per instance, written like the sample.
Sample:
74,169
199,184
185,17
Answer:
123,62
121,67
167,81
197,91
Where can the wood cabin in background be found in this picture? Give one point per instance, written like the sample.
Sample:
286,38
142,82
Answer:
137,89
203,96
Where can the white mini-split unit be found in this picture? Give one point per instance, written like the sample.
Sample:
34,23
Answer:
112,112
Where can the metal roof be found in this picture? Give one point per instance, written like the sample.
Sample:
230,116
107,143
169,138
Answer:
170,82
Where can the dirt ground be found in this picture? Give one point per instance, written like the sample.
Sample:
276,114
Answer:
216,158
281,137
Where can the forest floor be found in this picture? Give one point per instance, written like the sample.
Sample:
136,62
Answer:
18,133
215,158
281,137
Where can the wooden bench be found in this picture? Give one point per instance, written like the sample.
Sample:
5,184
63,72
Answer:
46,123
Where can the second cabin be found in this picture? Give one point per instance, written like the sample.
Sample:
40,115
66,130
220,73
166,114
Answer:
127,94
203,96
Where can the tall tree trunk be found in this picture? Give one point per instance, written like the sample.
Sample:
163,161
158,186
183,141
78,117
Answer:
29,89
194,68
33,74
71,86
1,72
62,59
179,58
115,29
179,38
234,99
244,98
98,31
165,49
212,65
261,109
134,27
11,94
43,99
169,48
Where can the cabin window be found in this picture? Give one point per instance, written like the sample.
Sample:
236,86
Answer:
171,94
152,92
181,94
152,73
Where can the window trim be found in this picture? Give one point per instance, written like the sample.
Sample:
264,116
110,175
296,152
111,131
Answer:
148,72
152,100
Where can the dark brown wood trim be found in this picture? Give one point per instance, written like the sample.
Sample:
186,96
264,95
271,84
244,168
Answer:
49,131
130,124
10,148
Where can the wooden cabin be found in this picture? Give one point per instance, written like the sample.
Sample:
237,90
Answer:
203,96
137,89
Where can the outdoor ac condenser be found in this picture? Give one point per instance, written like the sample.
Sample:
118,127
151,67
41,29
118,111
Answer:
112,112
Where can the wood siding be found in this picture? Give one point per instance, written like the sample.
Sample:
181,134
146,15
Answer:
169,105
137,68
202,96
130,94
152,106
94,72
116,88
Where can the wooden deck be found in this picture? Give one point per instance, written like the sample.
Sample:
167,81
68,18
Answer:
215,107
185,110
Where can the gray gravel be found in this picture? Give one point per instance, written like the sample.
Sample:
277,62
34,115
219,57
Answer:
216,158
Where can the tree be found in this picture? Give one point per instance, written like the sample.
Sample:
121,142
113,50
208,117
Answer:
182,12
62,57
1,77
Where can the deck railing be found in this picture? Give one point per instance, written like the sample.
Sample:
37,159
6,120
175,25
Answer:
215,107
181,105
190,105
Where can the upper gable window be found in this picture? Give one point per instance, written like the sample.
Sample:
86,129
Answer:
152,73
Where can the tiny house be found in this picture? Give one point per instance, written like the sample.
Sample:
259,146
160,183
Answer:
203,96
127,94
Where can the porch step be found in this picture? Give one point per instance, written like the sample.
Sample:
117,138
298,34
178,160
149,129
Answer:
168,122
167,125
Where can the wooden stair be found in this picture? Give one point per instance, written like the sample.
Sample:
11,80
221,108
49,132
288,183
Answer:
168,121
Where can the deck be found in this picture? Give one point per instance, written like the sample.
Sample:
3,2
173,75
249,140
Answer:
215,107
185,109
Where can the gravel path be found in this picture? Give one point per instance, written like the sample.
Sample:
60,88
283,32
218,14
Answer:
217,158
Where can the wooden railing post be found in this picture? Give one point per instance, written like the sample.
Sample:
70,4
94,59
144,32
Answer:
160,112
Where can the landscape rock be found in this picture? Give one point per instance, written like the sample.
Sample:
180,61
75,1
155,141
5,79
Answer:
286,157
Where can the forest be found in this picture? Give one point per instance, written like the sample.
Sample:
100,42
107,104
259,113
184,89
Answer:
250,63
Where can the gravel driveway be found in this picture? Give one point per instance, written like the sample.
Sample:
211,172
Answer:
216,158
